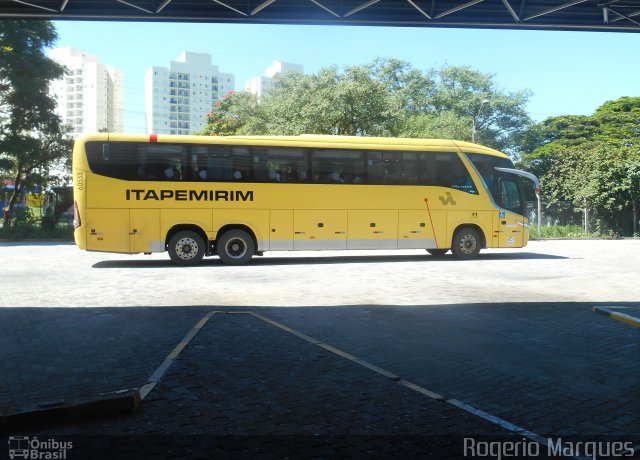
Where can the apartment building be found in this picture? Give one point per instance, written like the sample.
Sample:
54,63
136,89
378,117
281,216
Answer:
179,97
258,85
91,95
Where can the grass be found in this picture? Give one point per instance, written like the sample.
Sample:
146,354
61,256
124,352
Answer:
573,232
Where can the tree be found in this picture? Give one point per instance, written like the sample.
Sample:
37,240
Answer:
591,162
384,98
234,114
500,117
329,102
32,138
445,124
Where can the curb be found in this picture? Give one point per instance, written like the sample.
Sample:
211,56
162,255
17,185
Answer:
628,319
119,402
160,372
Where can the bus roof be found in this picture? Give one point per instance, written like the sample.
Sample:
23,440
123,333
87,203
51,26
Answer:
307,140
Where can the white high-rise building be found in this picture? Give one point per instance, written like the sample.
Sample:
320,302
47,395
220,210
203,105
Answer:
179,97
257,85
91,94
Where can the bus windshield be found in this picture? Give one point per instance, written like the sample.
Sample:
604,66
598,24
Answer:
505,188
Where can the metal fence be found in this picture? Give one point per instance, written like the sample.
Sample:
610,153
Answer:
559,214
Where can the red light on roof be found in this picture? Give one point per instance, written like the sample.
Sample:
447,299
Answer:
153,138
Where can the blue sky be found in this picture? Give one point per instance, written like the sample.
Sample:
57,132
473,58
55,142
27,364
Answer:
568,72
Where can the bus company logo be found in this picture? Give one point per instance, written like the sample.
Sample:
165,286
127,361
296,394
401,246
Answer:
188,195
448,200
32,448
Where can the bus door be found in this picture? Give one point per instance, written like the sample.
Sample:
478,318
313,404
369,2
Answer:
509,223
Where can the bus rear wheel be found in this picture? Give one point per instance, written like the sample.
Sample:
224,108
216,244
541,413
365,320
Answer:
235,247
186,248
467,243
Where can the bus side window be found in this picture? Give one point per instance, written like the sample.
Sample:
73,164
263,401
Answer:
447,170
241,166
159,161
152,171
120,163
173,172
333,166
219,166
198,167
510,195
280,164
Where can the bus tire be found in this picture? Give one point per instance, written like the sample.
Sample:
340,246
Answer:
437,252
186,248
467,243
235,247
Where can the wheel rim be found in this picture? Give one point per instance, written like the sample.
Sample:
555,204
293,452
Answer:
236,248
468,244
186,248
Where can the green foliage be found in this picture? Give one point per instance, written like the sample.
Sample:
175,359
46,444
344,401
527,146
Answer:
32,140
384,98
500,122
231,114
446,124
48,222
565,231
591,162
23,223
36,230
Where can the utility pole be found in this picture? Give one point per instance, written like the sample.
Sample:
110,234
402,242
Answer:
586,217
475,121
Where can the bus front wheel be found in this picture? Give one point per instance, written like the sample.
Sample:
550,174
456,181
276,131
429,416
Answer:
186,248
235,247
467,243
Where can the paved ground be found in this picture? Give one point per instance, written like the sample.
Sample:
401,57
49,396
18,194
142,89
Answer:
512,334
242,377
50,275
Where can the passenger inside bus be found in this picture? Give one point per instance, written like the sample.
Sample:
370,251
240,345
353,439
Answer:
172,173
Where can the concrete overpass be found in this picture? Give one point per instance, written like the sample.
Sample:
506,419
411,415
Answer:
590,15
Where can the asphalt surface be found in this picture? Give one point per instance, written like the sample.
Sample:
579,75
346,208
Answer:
511,337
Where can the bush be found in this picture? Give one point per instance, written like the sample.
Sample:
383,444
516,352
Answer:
24,226
48,222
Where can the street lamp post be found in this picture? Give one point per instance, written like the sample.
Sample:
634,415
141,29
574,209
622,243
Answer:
475,120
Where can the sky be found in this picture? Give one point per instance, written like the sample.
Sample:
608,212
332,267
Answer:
567,72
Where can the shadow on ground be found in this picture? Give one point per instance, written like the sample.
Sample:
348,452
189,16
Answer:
557,369
328,260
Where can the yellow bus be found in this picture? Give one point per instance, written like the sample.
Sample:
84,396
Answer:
236,197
